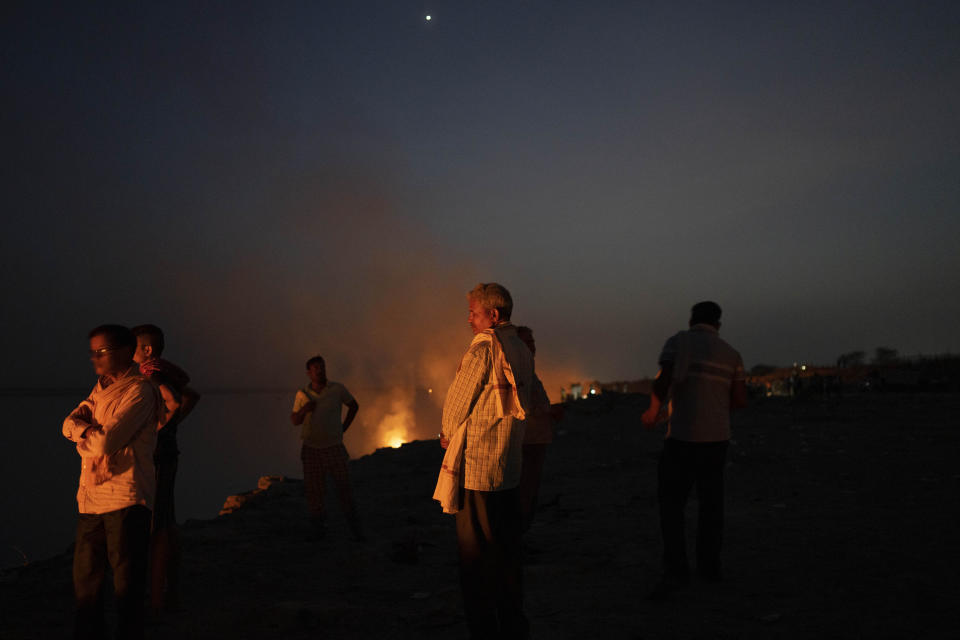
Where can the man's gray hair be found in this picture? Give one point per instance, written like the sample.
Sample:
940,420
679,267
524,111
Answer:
491,295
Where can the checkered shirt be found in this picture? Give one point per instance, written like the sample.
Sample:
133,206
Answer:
492,455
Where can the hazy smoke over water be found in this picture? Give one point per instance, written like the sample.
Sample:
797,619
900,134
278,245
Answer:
252,273
340,273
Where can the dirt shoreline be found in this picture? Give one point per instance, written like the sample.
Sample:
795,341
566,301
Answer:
842,521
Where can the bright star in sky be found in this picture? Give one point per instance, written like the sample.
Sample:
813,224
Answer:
429,17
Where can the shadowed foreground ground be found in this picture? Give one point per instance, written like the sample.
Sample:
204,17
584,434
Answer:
843,520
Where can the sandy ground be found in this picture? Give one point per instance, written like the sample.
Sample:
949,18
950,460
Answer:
843,520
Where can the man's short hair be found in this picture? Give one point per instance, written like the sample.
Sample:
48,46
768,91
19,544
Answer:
491,295
117,335
316,359
153,333
706,312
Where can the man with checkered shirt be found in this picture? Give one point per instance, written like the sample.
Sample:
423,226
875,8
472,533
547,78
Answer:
483,421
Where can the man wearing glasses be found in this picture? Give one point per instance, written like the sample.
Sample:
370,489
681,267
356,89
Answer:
115,432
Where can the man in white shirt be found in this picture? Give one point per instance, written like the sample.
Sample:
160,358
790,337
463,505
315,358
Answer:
703,377
115,431
319,408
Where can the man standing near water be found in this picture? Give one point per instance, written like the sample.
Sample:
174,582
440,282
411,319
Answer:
703,377
482,430
318,407
179,401
115,429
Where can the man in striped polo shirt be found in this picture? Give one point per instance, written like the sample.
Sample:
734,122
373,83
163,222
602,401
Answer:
703,378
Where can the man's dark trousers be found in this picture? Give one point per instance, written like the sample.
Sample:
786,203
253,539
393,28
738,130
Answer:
682,465
120,538
165,536
489,538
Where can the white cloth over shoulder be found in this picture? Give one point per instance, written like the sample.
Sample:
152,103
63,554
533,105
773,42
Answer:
447,492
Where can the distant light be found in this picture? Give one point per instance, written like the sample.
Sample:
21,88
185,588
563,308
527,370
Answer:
803,367
593,392
429,390
429,17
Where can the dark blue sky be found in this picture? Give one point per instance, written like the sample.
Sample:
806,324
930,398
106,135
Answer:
270,181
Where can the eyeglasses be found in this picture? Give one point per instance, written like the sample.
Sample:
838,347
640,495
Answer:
99,353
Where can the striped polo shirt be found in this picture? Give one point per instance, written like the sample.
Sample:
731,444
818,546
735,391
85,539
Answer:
704,369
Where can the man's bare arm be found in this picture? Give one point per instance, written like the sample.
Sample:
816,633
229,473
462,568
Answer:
296,417
661,387
178,405
188,400
170,405
352,408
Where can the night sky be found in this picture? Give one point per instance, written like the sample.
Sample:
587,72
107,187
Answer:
271,180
